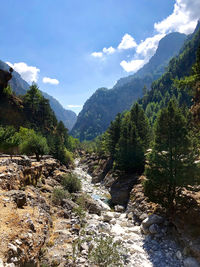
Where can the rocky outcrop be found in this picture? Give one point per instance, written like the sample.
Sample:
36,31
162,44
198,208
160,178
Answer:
120,189
5,77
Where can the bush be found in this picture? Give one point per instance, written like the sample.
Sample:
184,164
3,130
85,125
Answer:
58,195
68,157
71,183
107,252
33,143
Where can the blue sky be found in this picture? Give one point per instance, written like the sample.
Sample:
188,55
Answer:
72,47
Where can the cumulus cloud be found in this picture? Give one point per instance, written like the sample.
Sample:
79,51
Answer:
97,54
109,50
50,81
28,73
148,47
183,19
127,42
133,65
74,106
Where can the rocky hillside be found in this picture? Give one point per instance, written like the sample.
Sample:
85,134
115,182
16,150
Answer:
40,227
104,104
20,87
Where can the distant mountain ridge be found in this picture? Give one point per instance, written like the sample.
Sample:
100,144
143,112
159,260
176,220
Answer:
101,108
20,87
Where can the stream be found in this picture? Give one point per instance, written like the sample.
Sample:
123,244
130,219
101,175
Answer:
142,250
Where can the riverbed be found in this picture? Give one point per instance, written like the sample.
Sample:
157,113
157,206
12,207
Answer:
141,250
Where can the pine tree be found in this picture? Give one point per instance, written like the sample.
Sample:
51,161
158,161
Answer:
172,160
112,135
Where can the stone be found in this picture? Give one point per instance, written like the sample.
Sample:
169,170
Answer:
190,262
154,229
68,204
121,188
20,198
119,208
31,225
93,206
130,215
179,255
152,219
107,217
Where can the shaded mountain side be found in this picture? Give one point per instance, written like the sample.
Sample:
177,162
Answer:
101,108
20,87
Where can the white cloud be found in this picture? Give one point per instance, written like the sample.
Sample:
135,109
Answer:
28,73
127,42
74,106
51,81
97,54
183,19
133,65
148,47
109,50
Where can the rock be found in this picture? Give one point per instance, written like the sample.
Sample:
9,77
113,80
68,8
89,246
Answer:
152,219
68,204
154,229
31,225
130,215
179,255
20,198
93,206
119,208
120,190
13,249
107,217
190,262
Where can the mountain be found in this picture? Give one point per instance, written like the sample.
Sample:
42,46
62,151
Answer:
166,86
20,87
101,108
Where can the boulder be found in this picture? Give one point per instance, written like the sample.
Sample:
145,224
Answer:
20,198
154,229
93,206
152,219
68,204
190,262
119,208
108,216
120,190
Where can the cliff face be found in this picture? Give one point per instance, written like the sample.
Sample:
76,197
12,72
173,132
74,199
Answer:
19,86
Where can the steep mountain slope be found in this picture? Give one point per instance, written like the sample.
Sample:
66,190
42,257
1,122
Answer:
165,88
20,87
104,104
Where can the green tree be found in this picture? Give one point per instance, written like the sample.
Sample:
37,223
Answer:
172,160
34,144
9,140
130,151
113,135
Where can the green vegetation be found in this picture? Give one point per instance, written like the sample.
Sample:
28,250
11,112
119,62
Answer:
102,107
58,195
34,144
29,126
107,252
172,160
71,183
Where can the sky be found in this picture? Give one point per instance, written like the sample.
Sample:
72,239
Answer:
70,48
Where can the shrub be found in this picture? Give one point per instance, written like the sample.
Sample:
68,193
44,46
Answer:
33,143
58,195
107,252
68,157
71,183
